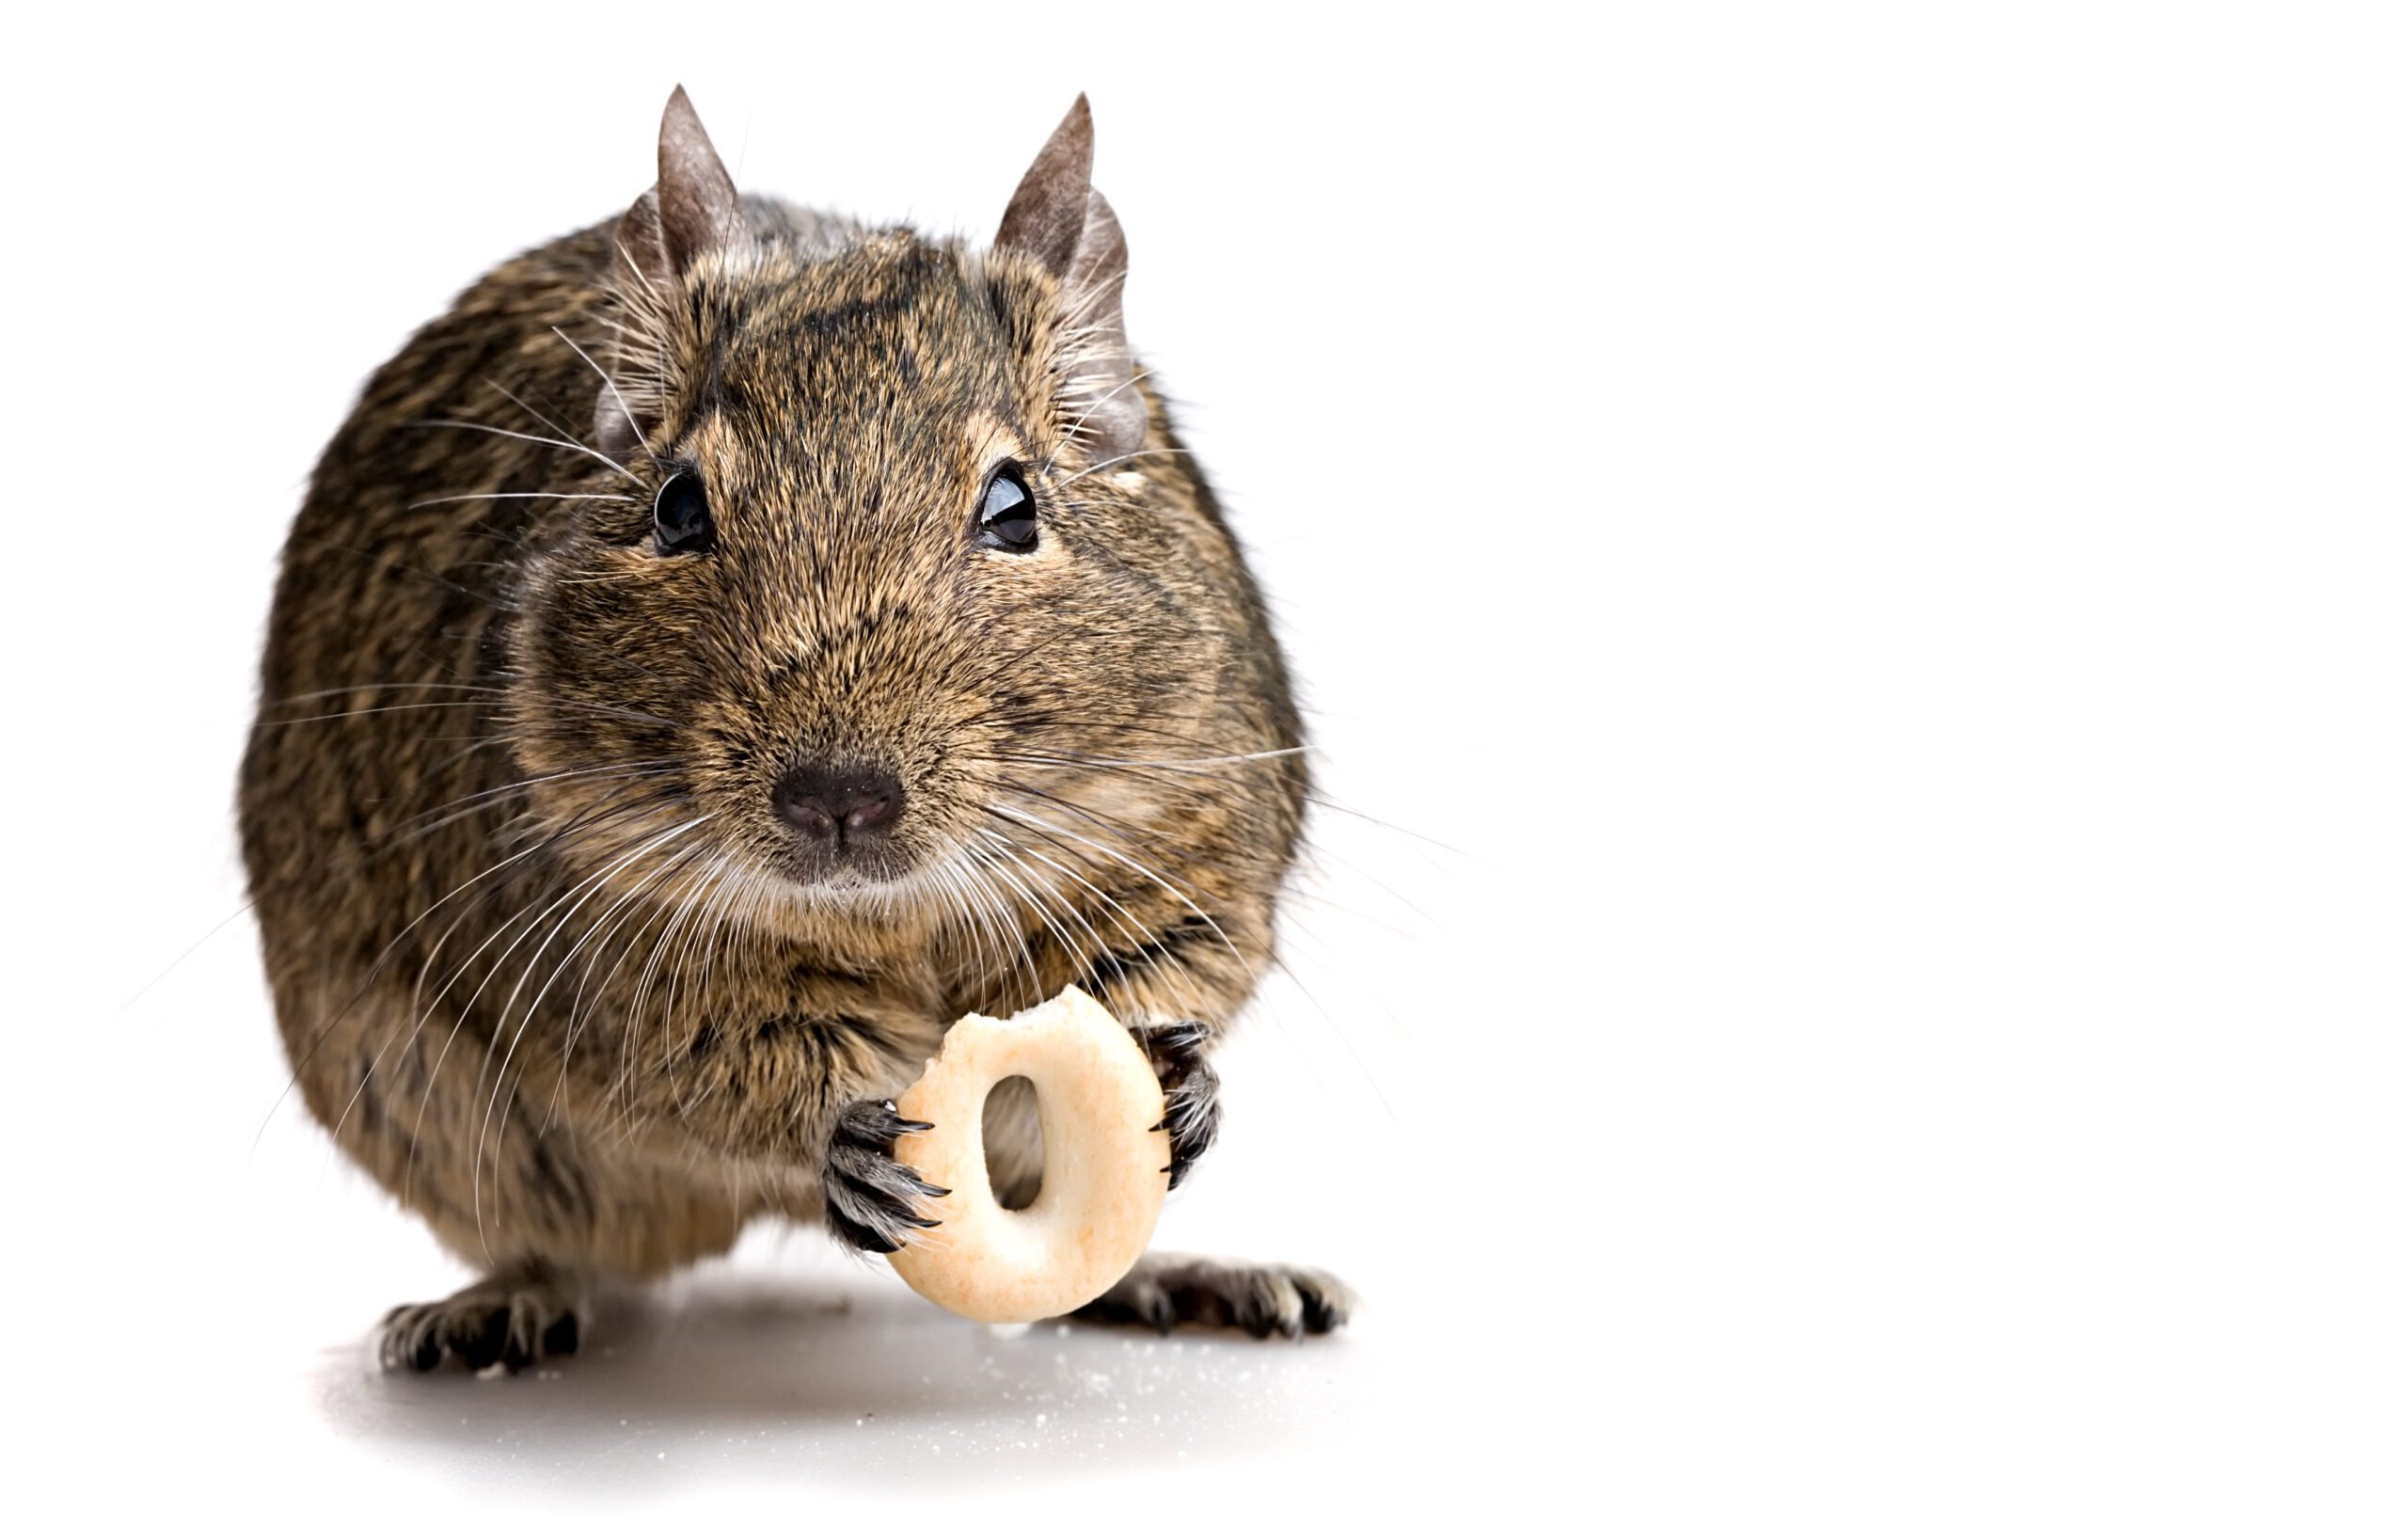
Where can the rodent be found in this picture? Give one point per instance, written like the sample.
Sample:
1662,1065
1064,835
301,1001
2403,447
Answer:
729,644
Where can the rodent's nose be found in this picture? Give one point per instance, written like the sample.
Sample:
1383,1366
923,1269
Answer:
839,803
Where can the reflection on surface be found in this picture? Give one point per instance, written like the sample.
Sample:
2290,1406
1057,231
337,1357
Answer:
839,1371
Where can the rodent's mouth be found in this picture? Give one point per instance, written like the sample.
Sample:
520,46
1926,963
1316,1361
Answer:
882,878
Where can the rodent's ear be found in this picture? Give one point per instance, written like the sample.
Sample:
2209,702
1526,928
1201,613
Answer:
691,210
698,209
1049,212
1058,217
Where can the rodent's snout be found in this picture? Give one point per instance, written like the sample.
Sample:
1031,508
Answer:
838,805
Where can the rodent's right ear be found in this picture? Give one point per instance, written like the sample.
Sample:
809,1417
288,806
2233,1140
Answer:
690,210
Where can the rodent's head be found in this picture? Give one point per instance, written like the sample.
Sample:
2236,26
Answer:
867,571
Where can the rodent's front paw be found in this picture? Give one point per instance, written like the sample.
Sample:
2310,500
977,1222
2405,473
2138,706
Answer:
872,1199
1190,1090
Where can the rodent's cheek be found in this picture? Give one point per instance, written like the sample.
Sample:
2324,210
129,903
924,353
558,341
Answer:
940,816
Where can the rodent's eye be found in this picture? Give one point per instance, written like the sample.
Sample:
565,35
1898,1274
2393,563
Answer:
681,515
1007,511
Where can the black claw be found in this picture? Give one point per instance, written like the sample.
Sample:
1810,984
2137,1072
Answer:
869,1194
860,1235
875,1124
509,1323
884,1201
1261,1300
485,1347
855,1183
1191,1091
1318,1314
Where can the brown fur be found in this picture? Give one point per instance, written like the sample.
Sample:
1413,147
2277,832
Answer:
584,1034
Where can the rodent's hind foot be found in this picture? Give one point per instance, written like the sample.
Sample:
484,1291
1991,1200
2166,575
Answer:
873,1200
1165,1292
513,1319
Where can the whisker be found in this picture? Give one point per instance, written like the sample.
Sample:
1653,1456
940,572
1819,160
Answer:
626,908
461,1015
594,455
376,965
593,884
609,383
522,496
1177,895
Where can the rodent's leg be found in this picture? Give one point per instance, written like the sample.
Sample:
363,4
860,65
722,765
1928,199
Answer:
806,1091
517,1317
1176,993
525,1193
1190,1090
1167,1290
798,1085
872,1198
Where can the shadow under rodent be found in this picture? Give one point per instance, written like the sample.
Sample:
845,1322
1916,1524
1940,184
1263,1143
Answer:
729,644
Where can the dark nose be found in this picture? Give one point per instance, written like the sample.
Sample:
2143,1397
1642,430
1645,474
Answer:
840,803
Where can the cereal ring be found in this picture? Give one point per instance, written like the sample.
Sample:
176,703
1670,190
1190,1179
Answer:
1101,1107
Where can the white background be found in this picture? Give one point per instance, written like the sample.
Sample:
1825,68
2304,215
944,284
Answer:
1848,565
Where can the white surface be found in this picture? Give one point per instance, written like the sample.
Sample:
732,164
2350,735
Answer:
1877,532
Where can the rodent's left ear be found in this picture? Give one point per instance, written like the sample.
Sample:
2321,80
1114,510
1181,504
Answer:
1058,217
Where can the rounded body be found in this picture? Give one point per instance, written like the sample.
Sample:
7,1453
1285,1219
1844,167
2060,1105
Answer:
554,955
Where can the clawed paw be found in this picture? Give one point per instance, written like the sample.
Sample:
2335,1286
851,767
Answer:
872,1201
511,1321
1165,1291
1191,1091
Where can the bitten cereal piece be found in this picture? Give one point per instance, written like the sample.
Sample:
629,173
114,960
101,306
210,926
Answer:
1100,1108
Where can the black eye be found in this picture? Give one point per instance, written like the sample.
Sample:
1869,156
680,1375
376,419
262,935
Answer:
681,515
1007,512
